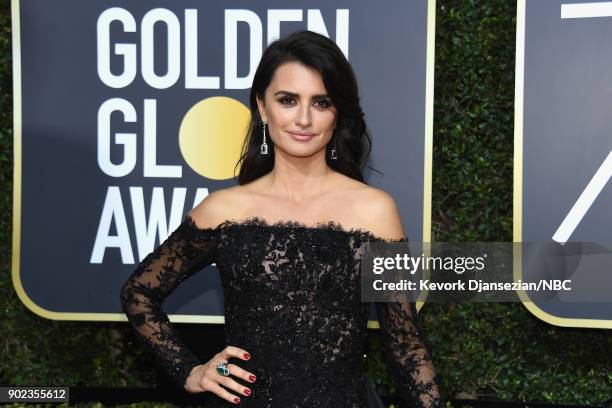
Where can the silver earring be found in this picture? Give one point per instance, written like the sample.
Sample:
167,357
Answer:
264,146
334,154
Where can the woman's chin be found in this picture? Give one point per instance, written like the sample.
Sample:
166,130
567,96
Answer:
302,151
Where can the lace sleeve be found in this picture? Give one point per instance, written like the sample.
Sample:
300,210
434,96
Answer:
187,250
407,351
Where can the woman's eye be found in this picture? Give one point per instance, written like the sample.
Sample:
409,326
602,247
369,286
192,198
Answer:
286,100
323,103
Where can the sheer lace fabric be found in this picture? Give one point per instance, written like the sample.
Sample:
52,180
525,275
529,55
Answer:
292,299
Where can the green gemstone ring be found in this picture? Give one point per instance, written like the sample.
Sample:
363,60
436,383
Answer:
222,369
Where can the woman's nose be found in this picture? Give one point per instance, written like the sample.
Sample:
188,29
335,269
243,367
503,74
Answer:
303,116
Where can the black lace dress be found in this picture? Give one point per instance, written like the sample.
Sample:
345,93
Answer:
292,299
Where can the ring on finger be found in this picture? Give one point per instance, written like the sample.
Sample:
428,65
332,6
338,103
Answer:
223,369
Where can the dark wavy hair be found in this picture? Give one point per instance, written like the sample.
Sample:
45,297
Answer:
353,143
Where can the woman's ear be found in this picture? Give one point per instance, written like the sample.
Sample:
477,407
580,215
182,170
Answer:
262,109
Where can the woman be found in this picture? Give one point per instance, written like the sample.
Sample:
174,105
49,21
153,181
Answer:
286,242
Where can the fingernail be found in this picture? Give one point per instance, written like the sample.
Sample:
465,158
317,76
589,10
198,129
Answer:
252,378
247,391
236,400
247,355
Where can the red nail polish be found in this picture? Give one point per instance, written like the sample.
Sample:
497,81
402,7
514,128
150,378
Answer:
247,391
247,355
252,378
236,400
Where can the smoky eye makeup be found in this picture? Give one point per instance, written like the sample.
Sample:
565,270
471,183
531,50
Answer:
321,102
285,100
324,102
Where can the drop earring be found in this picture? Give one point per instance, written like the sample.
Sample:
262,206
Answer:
264,146
334,154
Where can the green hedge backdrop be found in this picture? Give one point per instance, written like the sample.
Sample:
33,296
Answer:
481,350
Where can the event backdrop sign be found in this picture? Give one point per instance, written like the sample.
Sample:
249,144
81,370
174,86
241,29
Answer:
128,113
563,152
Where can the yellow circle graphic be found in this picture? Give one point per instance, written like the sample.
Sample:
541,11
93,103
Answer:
211,136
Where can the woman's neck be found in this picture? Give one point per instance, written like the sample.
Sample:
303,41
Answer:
297,179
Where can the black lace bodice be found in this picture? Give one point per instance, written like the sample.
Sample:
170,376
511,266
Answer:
292,299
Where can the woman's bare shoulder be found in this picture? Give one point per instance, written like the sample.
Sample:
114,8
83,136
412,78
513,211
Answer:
218,206
357,191
378,210
377,195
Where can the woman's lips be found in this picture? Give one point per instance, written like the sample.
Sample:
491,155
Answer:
301,137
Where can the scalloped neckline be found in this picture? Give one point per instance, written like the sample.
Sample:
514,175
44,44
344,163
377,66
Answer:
256,221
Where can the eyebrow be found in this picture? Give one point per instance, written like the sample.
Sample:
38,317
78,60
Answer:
294,94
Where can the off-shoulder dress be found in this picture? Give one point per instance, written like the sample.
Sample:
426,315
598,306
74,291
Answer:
292,299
